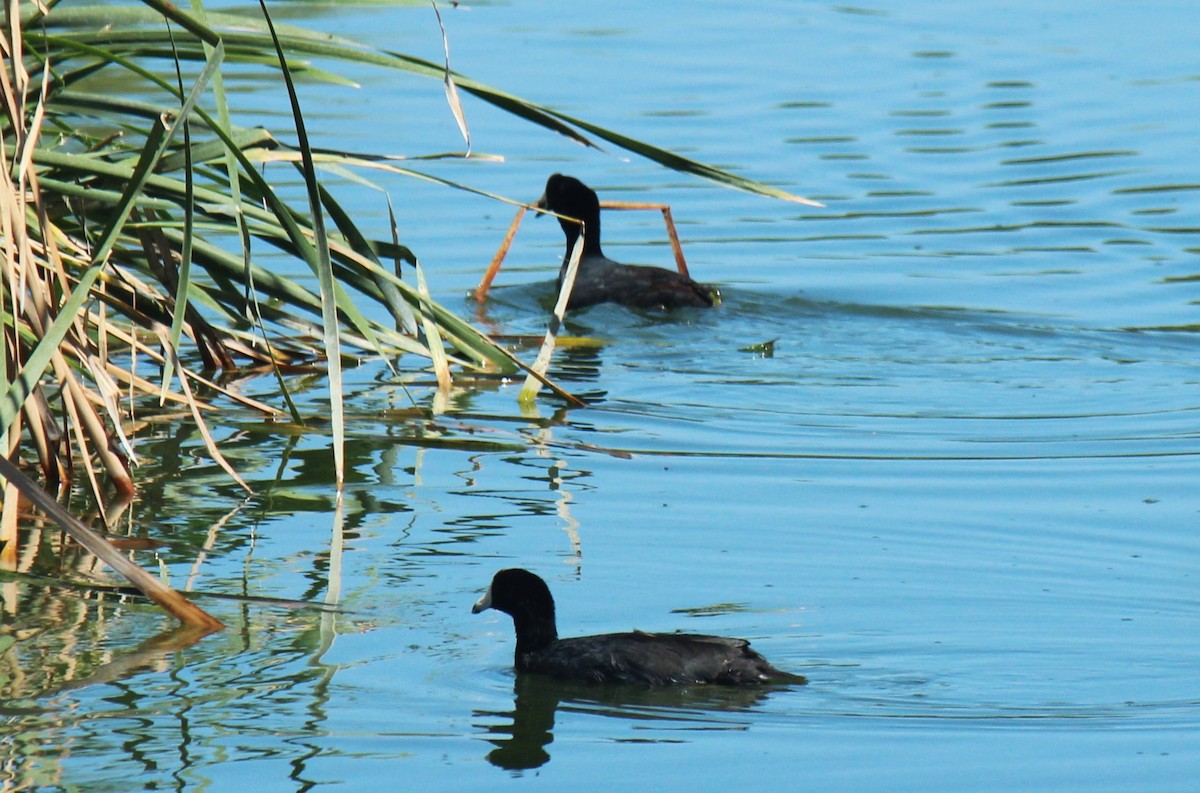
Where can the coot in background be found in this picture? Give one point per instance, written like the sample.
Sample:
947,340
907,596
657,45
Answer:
600,279
651,659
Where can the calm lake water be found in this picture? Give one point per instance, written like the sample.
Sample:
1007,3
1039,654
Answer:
960,493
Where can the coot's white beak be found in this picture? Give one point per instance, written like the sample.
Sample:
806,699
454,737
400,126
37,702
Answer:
484,603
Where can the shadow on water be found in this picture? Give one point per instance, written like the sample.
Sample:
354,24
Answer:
522,735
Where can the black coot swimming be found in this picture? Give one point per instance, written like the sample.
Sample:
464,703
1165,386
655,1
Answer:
648,659
601,280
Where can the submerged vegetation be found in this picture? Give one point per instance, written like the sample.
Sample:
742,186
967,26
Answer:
134,216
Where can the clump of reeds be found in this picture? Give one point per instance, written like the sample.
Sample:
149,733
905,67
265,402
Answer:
132,212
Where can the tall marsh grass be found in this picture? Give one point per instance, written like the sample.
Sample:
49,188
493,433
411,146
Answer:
134,211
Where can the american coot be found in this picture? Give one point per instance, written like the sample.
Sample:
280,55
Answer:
600,279
649,659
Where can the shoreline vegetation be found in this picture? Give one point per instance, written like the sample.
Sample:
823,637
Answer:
128,242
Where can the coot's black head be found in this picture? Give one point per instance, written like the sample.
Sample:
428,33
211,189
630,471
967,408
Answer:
566,193
526,598
516,591
568,196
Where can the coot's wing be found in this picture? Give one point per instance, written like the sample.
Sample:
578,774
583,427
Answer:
708,659
601,280
655,659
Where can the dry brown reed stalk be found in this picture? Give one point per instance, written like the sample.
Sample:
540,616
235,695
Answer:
35,285
668,221
37,291
174,603
485,284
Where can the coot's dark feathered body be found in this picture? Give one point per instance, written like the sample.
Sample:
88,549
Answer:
650,659
601,280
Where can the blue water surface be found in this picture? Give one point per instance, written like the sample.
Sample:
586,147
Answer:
957,491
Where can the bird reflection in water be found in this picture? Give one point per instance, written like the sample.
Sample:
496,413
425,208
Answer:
522,736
